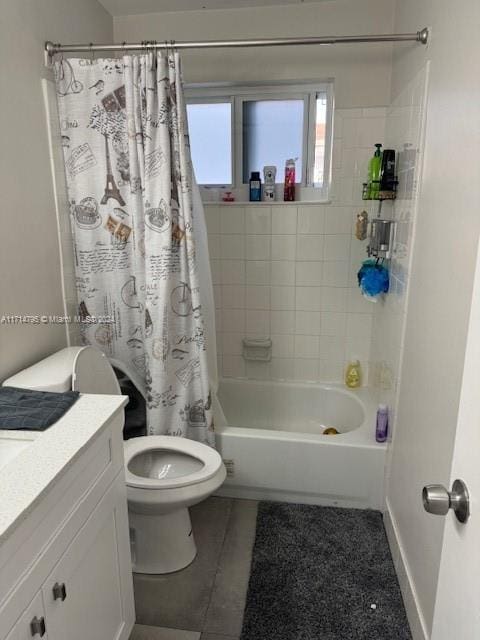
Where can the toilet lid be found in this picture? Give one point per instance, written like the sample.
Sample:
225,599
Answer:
173,462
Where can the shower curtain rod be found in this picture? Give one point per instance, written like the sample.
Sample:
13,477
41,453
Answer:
52,48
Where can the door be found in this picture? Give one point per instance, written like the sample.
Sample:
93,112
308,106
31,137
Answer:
86,595
457,606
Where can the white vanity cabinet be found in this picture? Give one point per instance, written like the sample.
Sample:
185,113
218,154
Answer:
82,596
65,573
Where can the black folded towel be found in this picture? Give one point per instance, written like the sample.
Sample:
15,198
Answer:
33,410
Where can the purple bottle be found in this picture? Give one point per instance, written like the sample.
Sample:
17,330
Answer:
381,430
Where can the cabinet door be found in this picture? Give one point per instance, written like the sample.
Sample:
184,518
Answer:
89,593
31,625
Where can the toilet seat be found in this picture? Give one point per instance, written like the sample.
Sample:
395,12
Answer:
209,458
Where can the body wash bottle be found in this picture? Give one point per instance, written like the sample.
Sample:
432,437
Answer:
381,430
374,172
353,375
289,185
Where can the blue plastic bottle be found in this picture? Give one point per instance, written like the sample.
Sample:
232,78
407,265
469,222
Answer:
381,431
255,187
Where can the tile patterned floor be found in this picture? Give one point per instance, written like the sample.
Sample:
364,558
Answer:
206,600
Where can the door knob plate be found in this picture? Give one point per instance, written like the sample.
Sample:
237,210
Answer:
460,501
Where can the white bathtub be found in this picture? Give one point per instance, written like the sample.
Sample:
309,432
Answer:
270,438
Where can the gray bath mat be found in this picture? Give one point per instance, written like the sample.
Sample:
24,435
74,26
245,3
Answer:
317,571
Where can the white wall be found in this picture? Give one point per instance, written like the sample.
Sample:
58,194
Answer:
361,72
29,258
445,245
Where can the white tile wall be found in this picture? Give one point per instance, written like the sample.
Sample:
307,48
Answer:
405,120
289,271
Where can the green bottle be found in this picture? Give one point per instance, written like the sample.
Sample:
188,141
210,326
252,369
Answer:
374,171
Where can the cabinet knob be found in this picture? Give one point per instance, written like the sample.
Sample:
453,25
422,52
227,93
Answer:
37,626
59,591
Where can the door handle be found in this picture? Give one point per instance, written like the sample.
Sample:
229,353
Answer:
37,626
59,591
438,500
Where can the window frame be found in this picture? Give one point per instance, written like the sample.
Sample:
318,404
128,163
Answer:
219,100
237,94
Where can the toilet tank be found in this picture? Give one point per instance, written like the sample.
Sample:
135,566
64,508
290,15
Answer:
83,369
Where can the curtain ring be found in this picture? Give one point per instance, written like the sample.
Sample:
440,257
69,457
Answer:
92,53
153,44
173,50
168,51
146,46
124,43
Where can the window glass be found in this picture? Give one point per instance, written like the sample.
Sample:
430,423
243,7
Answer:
272,133
320,134
210,128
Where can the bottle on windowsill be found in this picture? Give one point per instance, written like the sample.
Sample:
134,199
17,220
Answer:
255,185
289,187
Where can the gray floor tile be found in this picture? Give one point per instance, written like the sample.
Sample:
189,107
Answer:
215,636
180,600
225,612
143,632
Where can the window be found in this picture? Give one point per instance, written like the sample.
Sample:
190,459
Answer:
272,132
210,129
236,130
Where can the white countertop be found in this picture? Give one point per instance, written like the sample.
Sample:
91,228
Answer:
27,477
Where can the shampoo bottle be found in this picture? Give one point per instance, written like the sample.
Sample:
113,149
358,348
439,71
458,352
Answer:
387,175
353,375
374,172
381,430
255,187
289,186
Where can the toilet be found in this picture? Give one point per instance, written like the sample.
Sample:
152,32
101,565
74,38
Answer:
165,475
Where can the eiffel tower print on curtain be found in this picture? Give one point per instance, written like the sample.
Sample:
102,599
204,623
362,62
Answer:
111,189
109,119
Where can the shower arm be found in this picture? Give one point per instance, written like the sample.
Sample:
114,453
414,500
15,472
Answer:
150,45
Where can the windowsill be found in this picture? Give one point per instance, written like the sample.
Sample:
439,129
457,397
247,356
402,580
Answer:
304,195
276,203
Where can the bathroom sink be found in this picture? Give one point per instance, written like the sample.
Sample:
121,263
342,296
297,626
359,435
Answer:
10,447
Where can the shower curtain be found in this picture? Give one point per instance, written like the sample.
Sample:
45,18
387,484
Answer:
134,225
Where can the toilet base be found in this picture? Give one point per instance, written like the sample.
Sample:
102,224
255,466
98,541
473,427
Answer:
161,543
